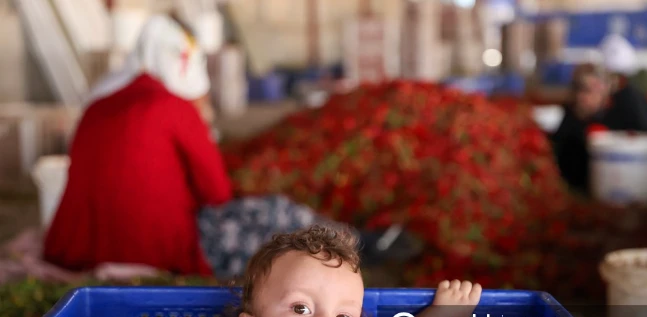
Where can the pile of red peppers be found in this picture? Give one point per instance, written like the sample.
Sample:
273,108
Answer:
475,179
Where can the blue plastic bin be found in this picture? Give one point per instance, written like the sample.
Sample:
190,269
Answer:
587,29
510,84
266,89
557,74
294,77
210,302
482,84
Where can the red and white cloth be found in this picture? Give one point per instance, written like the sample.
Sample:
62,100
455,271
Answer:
142,163
167,53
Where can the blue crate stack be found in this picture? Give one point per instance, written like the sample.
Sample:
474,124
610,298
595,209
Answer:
504,84
210,302
268,88
282,83
295,77
586,31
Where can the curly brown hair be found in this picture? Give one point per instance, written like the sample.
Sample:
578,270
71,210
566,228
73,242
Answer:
326,243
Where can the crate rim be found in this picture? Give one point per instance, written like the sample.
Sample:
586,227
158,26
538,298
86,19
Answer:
422,291
85,291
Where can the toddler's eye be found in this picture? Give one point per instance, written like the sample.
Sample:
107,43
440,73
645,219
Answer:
342,315
301,309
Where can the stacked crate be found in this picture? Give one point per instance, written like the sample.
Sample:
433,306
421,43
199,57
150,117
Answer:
517,44
469,42
229,82
371,49
423,52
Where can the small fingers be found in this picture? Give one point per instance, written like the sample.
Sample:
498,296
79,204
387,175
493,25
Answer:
475,293
455,285
444,284
466,287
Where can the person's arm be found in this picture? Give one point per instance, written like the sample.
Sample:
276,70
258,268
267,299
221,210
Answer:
638,116
633,110
206,168
558,138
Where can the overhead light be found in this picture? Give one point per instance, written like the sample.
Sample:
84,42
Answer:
492,58
465,3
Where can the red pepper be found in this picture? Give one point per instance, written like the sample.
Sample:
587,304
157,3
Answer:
441,162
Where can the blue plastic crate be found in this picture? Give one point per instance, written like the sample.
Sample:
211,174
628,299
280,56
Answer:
266,89
295,76
481,84
510,84
209,302
586,30
507,84
557,74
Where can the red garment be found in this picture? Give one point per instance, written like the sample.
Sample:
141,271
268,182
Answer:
595,127
141,166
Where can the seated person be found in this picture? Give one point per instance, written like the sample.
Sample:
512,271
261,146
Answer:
142,163
316,272
600,97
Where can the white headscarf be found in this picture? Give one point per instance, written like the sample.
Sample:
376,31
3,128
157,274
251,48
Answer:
619,56
167,53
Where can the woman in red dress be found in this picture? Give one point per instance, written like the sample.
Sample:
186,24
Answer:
142,163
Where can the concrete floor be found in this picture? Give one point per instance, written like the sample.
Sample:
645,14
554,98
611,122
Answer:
20,212
16,215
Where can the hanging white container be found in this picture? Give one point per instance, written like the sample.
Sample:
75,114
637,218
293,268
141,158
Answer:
50,176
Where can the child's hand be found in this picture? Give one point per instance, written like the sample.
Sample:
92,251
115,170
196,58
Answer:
454,299
457,293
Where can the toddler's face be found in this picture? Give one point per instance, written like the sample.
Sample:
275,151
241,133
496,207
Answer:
300,284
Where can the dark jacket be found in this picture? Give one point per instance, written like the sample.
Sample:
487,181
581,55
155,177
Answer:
628,111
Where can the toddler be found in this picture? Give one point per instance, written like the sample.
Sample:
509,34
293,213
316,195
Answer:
315,272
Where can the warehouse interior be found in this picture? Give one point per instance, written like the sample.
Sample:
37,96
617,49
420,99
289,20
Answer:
434,124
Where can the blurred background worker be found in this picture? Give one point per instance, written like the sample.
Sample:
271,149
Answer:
601,96
423,125
143,166
142,163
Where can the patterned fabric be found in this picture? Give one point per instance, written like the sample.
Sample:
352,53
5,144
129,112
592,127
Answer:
231,234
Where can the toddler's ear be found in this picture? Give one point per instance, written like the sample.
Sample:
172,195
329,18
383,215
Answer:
245,315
